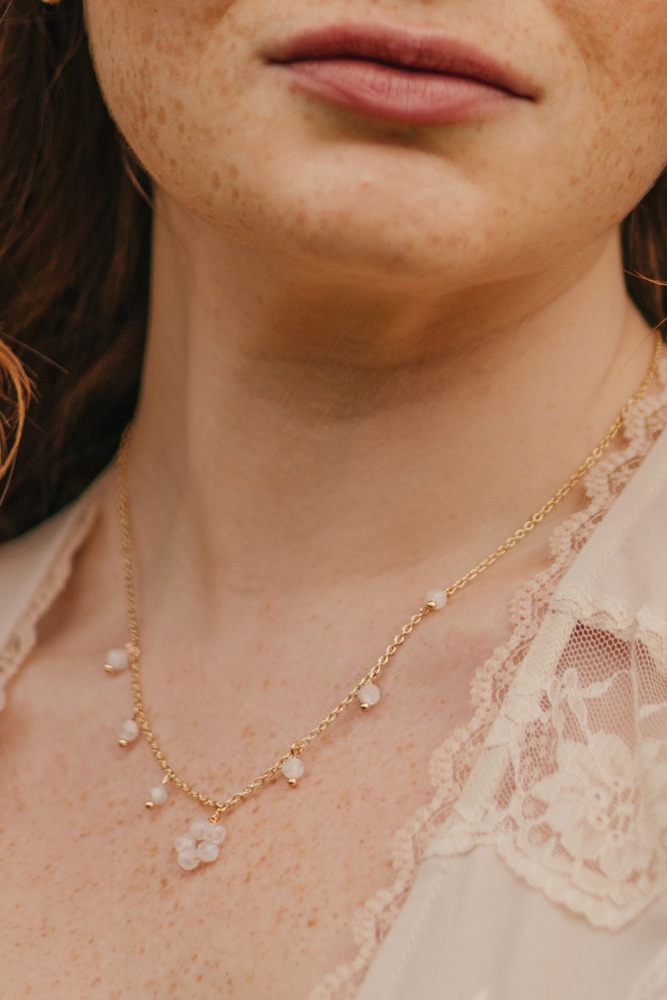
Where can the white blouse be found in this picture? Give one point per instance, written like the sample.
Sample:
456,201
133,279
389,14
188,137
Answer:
539,869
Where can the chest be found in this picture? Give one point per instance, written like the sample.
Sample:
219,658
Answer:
93,901
92,885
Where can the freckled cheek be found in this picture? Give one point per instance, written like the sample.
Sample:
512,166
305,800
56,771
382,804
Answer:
174,79
618,49
186,126
635,84
145,94
638,123
623,129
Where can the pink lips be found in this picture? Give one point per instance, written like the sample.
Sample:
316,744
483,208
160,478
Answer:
400,76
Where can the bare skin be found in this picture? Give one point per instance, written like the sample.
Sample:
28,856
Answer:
373,352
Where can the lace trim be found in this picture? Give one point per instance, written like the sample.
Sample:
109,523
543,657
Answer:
452,764
23,636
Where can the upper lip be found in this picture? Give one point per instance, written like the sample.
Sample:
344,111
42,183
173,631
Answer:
407,49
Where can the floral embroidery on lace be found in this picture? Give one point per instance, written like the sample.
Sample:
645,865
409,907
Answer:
575,772
579,801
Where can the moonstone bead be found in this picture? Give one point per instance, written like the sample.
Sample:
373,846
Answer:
216,833
200,829
369,695
185,844
157,795
293,769
116,660
438,597
129,731
188,860
207,851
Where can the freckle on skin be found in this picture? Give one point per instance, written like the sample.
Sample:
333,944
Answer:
161,115
215,181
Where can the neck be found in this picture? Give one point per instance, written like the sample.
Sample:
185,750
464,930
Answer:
343,429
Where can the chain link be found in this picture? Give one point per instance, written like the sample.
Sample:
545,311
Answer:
133,647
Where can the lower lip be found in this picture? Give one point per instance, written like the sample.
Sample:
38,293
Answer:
399,95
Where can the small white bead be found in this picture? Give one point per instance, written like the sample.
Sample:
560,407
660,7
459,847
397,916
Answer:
157,795
438,597
185,843
293,769
188,860
216,833
116,660
200,829
129,731
369,695
207,851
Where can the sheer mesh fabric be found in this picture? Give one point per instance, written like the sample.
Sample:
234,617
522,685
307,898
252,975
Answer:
562,769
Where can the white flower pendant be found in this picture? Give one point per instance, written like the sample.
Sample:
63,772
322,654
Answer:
202,843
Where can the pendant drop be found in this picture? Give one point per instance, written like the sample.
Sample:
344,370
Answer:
436,599
157,795
202,843
368,696
128,732
116,661
293,769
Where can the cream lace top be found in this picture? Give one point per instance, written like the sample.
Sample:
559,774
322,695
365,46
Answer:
539,869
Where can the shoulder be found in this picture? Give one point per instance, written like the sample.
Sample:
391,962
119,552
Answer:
34,568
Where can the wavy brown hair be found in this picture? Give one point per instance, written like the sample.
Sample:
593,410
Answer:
74,264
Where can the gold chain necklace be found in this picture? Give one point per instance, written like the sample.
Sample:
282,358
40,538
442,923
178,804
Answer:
202,842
